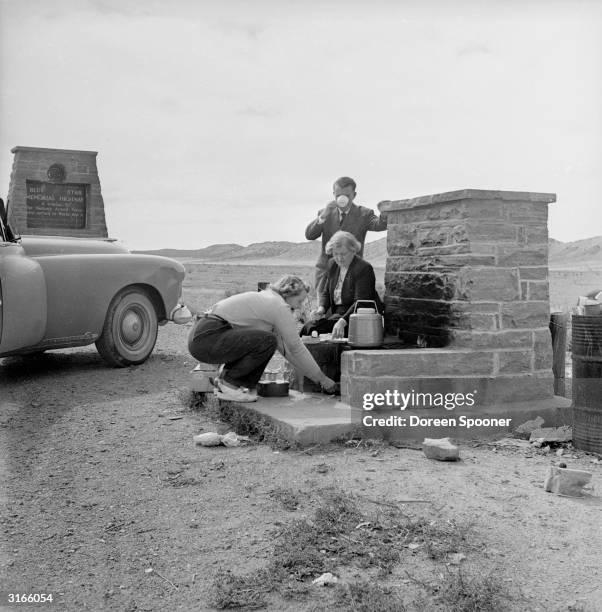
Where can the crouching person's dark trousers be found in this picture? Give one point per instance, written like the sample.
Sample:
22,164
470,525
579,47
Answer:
245,352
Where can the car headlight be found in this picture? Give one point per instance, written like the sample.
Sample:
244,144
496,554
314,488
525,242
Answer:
180,314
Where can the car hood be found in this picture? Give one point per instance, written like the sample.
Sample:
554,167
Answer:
36,246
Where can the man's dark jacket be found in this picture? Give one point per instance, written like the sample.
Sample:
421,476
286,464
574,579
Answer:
359,284
358,221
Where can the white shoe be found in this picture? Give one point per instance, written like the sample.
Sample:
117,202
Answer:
230,394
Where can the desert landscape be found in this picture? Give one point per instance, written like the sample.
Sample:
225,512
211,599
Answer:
109,505
575,268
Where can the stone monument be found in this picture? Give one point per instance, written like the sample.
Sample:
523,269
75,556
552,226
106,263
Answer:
466,280
56,192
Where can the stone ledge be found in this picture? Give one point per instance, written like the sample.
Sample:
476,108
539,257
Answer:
417,362
467,194
488,390
555,411
20,148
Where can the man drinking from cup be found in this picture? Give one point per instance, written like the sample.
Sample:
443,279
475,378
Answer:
342,214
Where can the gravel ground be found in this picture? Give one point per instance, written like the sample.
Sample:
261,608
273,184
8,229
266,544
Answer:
108,505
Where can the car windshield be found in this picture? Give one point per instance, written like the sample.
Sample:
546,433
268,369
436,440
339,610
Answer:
6,234
2,232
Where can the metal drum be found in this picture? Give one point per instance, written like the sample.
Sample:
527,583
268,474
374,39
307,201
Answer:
587,382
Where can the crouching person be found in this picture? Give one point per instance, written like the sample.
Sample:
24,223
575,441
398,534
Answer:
243,332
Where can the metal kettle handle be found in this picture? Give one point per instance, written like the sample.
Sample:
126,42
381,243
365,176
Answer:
367,302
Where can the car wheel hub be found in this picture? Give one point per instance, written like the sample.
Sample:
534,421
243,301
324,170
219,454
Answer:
132,327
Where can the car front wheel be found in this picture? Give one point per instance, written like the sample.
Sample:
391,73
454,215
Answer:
130,329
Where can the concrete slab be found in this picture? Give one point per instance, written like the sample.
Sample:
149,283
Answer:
304,419
487,421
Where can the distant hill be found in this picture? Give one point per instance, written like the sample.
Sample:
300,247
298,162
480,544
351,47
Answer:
210,253
580,255
302,253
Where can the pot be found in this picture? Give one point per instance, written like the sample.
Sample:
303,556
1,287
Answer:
272,388
365,326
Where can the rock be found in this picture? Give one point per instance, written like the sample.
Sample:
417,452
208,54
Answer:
208,439
524,429
440,449
552,434
456,558
325,580
564,481
230,439
214,439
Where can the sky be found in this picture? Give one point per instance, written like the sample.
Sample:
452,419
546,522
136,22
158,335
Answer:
228,121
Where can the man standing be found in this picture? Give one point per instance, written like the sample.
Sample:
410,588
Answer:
342,214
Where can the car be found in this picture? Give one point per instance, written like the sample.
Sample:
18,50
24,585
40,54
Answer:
58,292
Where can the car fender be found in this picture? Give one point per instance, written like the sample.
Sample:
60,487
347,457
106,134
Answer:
23,296
80,287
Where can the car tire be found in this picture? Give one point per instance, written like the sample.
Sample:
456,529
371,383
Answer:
130,329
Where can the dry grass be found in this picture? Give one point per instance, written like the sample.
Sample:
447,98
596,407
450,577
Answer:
367,596
463,593
340,534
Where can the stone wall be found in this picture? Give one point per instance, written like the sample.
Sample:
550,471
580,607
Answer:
467,279
469,269
56,192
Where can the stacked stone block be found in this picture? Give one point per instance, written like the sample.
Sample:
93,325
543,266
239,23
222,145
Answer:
466,274
33,163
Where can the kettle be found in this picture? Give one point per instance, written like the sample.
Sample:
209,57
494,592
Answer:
365,326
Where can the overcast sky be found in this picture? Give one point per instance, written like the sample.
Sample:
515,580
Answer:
226,121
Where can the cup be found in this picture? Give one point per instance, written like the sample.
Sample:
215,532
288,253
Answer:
342,201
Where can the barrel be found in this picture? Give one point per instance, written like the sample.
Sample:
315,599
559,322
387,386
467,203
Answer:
587,382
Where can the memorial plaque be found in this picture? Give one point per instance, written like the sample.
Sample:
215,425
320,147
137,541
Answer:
56,205
56,192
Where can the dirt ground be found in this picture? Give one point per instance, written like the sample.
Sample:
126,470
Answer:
108,504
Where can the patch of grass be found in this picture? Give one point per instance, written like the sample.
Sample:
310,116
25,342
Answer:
231,591
243,421
193,400
461,593
247,422
287,498
440,537
367,597
339,534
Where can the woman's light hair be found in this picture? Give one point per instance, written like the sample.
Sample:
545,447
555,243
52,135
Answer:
290,286
343,239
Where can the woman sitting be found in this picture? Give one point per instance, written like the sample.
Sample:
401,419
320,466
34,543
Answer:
349,279
243,332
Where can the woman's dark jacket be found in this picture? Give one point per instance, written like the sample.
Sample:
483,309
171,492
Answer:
359,284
